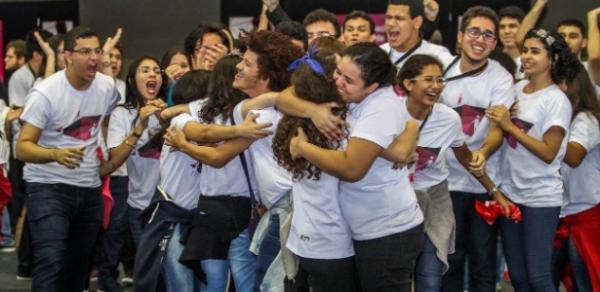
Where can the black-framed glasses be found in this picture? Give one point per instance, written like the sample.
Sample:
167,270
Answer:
476,33
88,51
431,80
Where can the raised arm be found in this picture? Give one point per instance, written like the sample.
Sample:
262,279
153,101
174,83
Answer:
50,56
530,20
593,46
110,43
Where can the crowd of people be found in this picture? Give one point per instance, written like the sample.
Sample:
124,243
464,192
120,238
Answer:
306,157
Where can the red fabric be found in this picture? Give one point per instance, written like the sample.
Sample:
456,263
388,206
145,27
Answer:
490,210
5,190
106,195
584,228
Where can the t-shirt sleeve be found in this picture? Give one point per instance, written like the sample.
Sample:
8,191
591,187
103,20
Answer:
379,122
18,88
585,131
557,112
115,97
504,93
237,112
36,110
181,120
118,127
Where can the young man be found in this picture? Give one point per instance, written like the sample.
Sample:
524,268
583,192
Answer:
403,21
358,27
510,21
573,31
321,22
15,57
58,141
474,83
255,77
116,64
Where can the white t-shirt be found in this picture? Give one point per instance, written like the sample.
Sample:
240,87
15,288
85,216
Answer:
518,74
69,118
273,180
143,162
180,173
442,131
426,48
319,231
526,179
121,89
18,87
229,180
470,97
383,202
582,184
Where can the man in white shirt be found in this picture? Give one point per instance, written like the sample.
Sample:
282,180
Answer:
58,142
474,83
403,20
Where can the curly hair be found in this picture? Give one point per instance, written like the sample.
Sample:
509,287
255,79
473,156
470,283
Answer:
275,52
316,88
222,97
564,62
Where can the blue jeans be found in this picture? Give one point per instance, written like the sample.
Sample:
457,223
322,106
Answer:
269,248
528,248
178,277
429,269
242,264
476,241
64,222
111,242
6,236
135,223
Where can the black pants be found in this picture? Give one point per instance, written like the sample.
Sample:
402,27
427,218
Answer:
330,275
387,263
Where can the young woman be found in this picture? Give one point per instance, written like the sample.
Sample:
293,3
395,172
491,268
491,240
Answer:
319,234
180,180
132,137
580,213
175,63
377,201
219,238
536,142
422,79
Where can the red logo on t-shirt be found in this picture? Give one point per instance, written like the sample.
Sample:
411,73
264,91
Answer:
83,128
470,117
426,157
151,149
521,124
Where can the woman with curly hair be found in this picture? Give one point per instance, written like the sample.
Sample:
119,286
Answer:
536,137
319,234
376,200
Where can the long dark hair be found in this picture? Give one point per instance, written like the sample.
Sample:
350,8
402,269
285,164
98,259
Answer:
564,62
373,62
317,88
222,97
582,94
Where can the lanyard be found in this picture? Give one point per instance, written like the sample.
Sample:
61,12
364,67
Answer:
466,74
407,54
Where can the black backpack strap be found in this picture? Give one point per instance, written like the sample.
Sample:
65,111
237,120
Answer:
253,199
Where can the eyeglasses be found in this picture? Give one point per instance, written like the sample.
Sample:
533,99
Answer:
476,32
319,34
430,80
88,51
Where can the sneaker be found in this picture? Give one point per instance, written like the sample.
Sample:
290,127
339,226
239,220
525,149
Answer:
8,247
127,281
22,276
